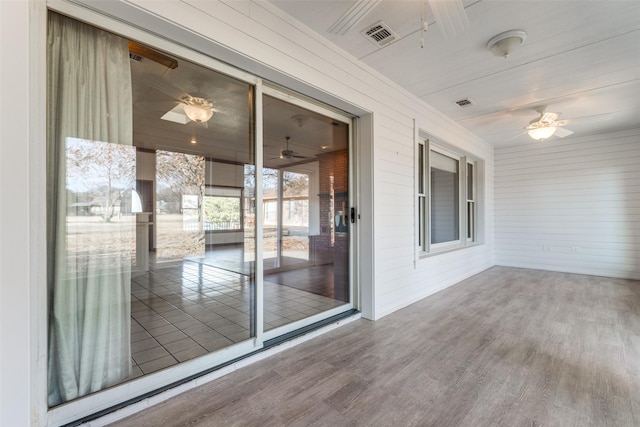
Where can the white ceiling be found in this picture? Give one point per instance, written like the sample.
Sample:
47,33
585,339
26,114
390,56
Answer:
581,58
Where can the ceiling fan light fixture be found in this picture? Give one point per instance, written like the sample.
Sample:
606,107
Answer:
505,43
198,110
541,133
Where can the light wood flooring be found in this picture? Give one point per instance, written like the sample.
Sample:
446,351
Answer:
508,347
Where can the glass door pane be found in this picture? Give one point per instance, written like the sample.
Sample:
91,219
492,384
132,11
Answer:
193,128
306,213
151,214
445,224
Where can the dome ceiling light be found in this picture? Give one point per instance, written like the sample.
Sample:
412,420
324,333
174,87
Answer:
505,43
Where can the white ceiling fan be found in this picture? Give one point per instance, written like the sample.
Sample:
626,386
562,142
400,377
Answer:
191,108
547,125
188,108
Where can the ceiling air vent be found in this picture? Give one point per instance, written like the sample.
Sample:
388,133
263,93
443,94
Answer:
380,34
464,103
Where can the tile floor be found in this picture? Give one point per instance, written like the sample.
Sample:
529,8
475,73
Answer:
188,309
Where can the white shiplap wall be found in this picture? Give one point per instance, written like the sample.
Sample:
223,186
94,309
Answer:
260,38
572,205
254,36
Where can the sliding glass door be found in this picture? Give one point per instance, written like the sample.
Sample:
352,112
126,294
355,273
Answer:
306,212
169,240
151,248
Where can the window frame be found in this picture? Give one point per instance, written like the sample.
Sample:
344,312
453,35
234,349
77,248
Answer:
471,202
468,207
224,191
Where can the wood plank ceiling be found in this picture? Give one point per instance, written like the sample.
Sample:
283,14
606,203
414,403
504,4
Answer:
580,58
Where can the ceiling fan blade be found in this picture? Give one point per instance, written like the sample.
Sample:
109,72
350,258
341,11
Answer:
450,16
562,132
352,16
155,107
163,86
548,117
516,136
594,118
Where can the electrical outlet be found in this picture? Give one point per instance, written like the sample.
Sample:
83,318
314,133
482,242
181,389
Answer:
576,249
547,248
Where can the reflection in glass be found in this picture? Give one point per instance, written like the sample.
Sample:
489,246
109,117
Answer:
445,223
151,221
90,228
295,215
180,196
100,222
151,224
223,212
305,213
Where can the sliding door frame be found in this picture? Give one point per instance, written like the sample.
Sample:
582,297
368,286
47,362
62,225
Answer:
283,94
145,386
132,390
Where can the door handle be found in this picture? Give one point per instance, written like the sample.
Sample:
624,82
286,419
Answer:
353,215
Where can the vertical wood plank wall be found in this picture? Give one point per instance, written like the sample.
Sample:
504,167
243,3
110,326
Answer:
260,38
571,205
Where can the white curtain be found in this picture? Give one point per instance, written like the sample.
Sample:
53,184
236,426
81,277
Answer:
89,256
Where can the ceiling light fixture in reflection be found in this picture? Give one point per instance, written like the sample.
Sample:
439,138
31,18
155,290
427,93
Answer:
300,119
197,109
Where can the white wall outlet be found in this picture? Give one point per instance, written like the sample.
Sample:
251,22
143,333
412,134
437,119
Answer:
576,249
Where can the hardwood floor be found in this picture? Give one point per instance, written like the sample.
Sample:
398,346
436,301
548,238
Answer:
508,347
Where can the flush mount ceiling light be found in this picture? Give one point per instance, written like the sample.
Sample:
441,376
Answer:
197,109
300,119
505,43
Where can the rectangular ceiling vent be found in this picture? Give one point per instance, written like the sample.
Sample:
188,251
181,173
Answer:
380,34
464,103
